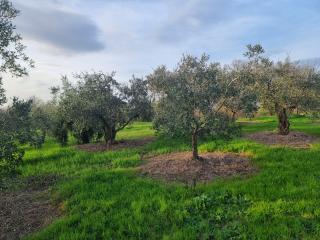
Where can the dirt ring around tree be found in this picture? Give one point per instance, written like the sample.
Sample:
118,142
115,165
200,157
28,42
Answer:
118,145
180,167
293,139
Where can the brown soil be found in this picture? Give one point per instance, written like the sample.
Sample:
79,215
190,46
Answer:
100,147
293,139
180,167
23,212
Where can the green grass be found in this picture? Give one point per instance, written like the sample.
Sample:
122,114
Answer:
104,198
269,123
136,130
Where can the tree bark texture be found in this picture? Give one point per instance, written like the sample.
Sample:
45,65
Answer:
283,124
195,154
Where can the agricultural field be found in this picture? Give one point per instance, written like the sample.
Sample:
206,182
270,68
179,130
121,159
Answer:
67,193
159,120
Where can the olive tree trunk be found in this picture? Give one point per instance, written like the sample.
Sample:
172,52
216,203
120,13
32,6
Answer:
195,154
283,124
109,135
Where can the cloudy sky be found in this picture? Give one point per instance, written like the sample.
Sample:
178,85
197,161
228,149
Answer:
134,36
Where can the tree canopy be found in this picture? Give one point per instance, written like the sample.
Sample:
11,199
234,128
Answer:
242,97
13,58
98,105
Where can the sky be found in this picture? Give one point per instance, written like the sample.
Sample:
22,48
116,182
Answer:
135,36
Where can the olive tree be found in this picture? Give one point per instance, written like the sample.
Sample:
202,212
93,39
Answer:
72,112
10,154
22,124
19,121
98,104
16,127
12,55
283,85
190,98
13,60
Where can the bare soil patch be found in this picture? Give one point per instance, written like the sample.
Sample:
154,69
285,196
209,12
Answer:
122,144
27,210
181,167
293,139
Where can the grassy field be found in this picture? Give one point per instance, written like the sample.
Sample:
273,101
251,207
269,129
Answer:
102,197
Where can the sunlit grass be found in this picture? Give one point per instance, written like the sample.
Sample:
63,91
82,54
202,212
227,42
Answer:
270,123
136,130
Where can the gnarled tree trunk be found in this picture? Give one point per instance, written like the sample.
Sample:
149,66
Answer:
109,135
283,124
195,154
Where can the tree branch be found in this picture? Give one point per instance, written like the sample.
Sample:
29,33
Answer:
127,122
